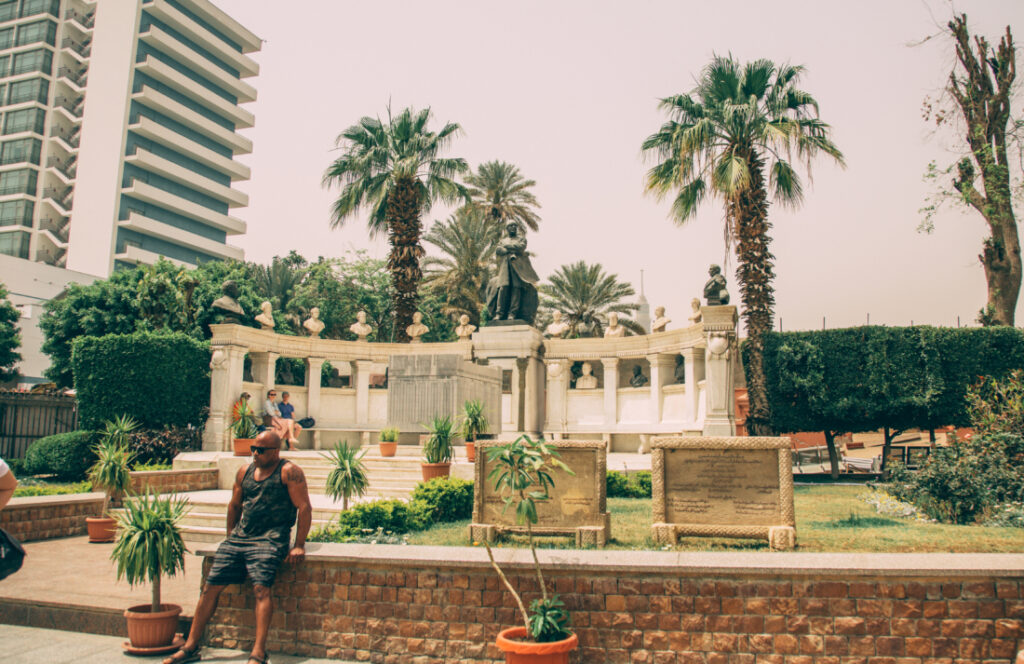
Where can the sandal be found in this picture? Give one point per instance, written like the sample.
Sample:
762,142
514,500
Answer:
186,656
259,660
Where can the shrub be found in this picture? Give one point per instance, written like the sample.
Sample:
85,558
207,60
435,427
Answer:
634,485
68,456
160,446
997,406
162,380
391,515
26,489
17,466
450,498
1007,515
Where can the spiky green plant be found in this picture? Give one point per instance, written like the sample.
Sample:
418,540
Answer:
474,422
149,544
389,435
111,472
244,425
438,448
348,475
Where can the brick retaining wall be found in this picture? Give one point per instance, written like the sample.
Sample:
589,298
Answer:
174,481
48,517
428,605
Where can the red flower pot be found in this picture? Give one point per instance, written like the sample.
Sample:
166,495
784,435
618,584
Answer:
519,649
101,528
388,449
152,630
242,446
432,470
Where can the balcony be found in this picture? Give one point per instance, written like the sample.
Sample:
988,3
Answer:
84,19
171,77
155,131
70,136
163,104
73,105
157,229
63,196
164,199
58,226
161,41
79,77
66,167
164,11
139,256
176,173
82,49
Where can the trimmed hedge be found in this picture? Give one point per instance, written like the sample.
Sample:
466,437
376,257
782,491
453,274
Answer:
162,380
634,485
391,515
68,456
450,498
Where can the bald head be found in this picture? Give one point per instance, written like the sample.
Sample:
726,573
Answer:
268,439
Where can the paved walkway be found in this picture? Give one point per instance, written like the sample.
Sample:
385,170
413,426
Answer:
32,645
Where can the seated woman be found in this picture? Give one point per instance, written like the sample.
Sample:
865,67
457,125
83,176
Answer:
287,411
283,427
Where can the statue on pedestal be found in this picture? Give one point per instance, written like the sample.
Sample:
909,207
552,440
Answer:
417,329
695,316
512,293
227,304
266,318
660,322
335,379
464,330
587,381
638,379
558,327
313,324
614,329
680,371
360,328
714,290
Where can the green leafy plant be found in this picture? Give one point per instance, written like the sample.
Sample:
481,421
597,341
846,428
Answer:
633,485
450,498
111,472
390,515
149,542
348,475
474,421
66,456
438,448
997,405
389,435
244,424
521,474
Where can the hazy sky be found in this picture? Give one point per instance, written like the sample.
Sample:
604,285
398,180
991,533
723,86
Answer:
567,91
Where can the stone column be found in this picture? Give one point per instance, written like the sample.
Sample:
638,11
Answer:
662,374
557,389
693,369
264,368
361,369
720,336
313,368
611,392
226,365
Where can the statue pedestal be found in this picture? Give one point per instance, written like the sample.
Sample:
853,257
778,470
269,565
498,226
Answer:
516,347
720,336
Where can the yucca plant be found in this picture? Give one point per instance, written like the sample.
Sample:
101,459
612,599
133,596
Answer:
244,425
149,542
348,475
438,448
113,459
389,435
474,421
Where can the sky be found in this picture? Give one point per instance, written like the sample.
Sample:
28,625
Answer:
568,90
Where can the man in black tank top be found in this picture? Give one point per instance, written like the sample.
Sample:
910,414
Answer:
267,497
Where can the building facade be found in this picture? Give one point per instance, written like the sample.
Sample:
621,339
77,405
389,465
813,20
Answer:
119,129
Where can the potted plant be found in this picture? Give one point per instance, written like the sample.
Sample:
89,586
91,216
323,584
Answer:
243,427
348,475
111,473
522,475
437,451
149,545
388,441
473,424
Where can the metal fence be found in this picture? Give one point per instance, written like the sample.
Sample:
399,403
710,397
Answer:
26,417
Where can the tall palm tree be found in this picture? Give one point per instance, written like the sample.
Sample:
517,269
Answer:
395,169
499,190
731,137
277,283
585,295
467,241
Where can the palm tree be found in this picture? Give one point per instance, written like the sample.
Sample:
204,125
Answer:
395,171
739,127
278,284
499,190
585,295
467,240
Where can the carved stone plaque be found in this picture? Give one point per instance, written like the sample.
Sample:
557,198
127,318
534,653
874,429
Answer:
723,487
576,504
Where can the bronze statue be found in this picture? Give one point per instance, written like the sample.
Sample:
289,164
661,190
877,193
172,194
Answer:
638,379
714,290
512,293
227,304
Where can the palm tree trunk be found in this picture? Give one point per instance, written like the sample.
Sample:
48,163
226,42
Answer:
748,215
404,230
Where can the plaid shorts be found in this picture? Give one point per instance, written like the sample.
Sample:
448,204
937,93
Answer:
237,558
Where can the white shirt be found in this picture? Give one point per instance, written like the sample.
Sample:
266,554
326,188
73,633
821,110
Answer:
270,408
4,468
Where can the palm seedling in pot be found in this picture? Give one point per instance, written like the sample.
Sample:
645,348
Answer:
348,475
437,451
111,473
474,423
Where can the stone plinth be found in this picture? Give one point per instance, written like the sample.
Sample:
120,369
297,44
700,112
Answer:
720,336
723,487
576,504
517,348
424,386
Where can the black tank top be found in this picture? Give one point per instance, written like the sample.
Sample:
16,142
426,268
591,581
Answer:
267,509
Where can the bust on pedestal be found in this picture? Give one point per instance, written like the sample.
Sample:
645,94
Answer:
313,324
417,329
360,328
266,317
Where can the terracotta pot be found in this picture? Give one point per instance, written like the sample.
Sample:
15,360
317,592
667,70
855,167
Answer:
101,528
388,449
152,630
470,451
432,470
242,446
520,650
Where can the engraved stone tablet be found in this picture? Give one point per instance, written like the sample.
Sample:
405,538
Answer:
576,504
723,487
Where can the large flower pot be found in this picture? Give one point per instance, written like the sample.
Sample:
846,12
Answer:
432,470
470,451
150,630
388,449
519,649
101,528
242,446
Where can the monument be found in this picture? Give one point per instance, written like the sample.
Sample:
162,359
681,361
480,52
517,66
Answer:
266,317
417,329
227,304
714,290
423,386
361,328
723,487
576,505
557,328
314,326
464,330
661,322
512,293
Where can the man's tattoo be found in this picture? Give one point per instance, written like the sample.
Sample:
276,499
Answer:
295,475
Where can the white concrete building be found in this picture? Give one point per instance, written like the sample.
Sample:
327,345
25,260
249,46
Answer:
119,132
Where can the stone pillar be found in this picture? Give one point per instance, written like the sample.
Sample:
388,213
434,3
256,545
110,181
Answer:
361,379
557,389
264,368
313,367
611,392
693,369
720,337
662,374
226,365
519,348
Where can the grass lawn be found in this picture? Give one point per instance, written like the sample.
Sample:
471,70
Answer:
828,518
37,487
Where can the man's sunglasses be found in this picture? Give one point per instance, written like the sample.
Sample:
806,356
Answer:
256,449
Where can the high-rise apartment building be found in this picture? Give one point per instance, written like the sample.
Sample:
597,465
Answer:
119,131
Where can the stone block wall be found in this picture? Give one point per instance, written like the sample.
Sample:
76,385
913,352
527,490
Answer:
174,481
49,517
409,604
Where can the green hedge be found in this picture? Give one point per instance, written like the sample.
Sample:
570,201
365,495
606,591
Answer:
866,378
450,498
162,380
633,485
391,515
68,456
